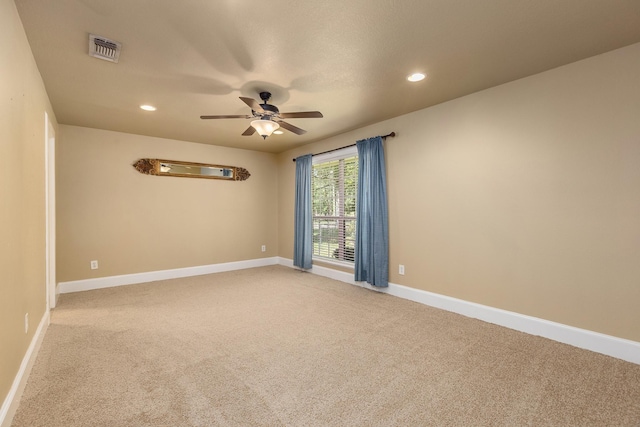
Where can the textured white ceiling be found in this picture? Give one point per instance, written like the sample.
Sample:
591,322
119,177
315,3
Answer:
347,59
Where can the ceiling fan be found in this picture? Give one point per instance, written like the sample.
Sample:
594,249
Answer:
267,117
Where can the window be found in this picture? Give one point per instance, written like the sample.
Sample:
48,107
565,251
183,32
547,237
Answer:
333,187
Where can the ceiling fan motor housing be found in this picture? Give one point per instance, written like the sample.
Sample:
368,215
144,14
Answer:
269,110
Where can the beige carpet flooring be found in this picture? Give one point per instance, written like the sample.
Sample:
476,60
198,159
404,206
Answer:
273,346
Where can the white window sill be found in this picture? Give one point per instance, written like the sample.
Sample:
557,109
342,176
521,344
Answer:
333,261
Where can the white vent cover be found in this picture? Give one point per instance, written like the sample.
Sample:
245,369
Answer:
103,48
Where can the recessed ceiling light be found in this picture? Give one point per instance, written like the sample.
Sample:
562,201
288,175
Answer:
148,107
278,132
416,77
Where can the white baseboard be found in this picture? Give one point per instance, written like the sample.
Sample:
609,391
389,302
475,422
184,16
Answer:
582,338
152,276
11,402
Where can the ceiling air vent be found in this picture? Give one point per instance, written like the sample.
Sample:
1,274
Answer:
103,48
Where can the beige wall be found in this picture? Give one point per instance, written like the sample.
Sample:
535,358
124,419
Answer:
23,102
524,197
133,223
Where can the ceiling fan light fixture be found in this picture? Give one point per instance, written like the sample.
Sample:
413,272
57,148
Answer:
265,127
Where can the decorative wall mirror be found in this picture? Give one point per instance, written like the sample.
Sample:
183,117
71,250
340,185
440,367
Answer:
162,167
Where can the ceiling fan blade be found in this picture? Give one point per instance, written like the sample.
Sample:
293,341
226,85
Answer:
302,115
250,131
253,104
291,128
233,116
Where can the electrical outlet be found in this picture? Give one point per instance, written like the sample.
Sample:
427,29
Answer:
264,248
26,323
94,265
401,269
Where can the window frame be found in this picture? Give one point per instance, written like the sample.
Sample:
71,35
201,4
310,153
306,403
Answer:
343,153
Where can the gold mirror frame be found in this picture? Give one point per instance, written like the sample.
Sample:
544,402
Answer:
161,167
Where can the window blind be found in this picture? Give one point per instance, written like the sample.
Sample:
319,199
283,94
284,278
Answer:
334,186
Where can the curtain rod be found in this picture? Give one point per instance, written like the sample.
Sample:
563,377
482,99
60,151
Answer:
392,134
